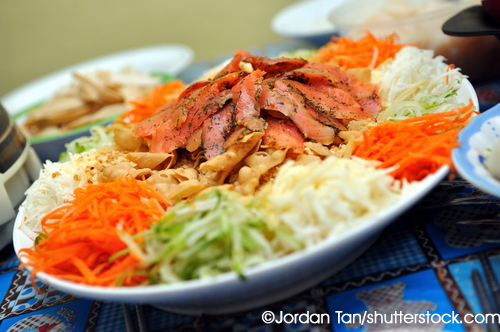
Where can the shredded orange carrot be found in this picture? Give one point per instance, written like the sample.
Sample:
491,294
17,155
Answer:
80,237
146,107
367,52
419,146
447,70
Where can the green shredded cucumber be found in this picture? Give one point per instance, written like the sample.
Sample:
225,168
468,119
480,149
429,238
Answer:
421,105
216,233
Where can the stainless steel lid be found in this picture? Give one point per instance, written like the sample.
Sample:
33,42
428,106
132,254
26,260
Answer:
12,141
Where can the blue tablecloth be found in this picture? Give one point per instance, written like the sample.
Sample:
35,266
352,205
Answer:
422,261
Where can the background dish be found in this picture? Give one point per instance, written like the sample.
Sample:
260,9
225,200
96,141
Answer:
306,20
164,59
480,135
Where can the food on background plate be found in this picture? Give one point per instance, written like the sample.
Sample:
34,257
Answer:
91,97
492,161
237,169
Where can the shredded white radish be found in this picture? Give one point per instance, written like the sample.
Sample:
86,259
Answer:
325,198
414,71
58,181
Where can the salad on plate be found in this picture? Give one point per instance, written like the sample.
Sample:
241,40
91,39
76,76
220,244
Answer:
263,158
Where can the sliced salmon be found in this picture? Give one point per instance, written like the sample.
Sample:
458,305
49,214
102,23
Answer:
326,120
283,134
167,105
338,74
216,129
322,81
246,96
204,96
147,127
290,103
344,108
366,95
234,64
194,142
191,88
311,76
237,135
167,138
273,67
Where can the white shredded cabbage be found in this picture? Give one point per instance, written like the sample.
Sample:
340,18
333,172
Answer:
99,137
414,71
58,181
323,199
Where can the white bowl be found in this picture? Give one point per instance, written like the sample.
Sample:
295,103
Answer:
477,138
265,283
307,20
164,59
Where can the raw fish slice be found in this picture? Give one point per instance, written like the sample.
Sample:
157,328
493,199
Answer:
191,88
234,65
195,141
282,134
147,127
216,129
322,81
310,75
365,94
236,136
346,108
273,67
246,96
293,105
167,138
203,96
326,120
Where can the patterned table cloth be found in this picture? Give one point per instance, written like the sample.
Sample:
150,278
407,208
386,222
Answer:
421,262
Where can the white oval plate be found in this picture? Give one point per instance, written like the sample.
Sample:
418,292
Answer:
477,138
265,283
307,20
168,59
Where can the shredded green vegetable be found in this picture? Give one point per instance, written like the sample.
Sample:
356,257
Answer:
216,233
420,105
100,136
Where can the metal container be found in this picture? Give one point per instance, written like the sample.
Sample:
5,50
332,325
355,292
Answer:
19,167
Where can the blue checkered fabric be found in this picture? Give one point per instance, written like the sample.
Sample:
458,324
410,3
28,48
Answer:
111,318
159,320
395,248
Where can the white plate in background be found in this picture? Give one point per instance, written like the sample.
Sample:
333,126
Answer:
307,20
165,59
